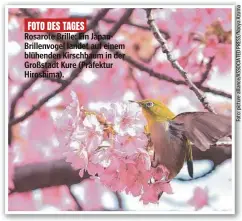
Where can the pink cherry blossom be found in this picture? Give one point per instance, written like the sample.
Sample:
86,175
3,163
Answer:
94,169
200,198
221,52
138,179
211,45
149,196
160,172
162,186
90,132
130,145
77,158
68,121
152,191
113,180
126,117
120,161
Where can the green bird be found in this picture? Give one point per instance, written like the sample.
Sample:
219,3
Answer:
173,136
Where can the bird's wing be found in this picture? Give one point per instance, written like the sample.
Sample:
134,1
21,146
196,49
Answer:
203,129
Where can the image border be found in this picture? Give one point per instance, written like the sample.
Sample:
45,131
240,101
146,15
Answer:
232,6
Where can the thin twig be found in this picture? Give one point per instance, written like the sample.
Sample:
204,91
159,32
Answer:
28,13
79,207
17,14
57,80
164,77
215,91
10,192
119,200
206,72
131,74
174,62
75,73
15,100
128,22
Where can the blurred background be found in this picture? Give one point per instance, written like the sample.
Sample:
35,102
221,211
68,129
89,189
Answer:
199,38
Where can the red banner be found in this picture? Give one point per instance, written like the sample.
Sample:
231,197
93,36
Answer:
55,25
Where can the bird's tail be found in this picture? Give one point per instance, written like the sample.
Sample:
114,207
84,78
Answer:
190,168
189,158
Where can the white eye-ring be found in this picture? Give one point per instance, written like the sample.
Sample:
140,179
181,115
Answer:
149,104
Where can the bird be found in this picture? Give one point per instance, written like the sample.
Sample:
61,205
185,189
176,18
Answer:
173,135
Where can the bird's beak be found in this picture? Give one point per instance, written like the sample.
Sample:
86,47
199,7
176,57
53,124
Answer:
137,102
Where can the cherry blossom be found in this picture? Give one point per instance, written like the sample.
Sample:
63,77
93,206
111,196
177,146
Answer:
89,132
126,118
200,198
120,160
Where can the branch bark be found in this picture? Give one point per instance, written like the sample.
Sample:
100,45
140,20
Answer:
174,62
206,72
79,207
46,174
139,89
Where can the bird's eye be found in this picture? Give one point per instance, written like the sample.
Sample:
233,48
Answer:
149,104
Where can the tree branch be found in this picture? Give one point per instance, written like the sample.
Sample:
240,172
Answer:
79,207
174,62
215,91
119,200
28,13
128,22
15,100
131,74
46,174
57,172
206,72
